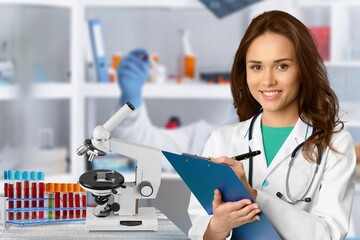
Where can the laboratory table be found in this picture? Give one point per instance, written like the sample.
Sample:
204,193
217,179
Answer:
77,230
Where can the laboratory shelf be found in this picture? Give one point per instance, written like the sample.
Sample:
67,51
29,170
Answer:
9,92
51,91
343,64
169,91
101,90
188,91
47,3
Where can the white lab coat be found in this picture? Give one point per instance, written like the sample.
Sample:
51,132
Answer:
327,216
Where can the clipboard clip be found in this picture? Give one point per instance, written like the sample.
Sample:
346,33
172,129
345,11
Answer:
196,156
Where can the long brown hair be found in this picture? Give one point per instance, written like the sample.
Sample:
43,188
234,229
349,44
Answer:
318,104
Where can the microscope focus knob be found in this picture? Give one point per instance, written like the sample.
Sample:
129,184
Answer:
115,207
146,189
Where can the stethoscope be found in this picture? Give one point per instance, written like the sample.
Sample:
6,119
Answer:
291,199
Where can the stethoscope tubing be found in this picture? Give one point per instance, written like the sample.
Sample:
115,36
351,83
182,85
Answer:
291,200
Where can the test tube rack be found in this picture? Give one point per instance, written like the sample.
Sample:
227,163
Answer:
46,203
4,221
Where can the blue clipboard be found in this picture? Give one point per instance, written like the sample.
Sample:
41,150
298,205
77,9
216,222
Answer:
203,177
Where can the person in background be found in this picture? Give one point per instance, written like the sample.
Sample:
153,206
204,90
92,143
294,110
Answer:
282,96
133,72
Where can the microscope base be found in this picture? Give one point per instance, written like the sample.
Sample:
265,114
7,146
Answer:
146,217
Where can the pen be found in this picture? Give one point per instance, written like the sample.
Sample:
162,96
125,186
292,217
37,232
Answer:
246,155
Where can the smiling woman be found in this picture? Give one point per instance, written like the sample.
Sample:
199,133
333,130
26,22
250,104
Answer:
305,180
273,78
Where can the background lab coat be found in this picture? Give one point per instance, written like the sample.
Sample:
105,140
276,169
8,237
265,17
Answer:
325,217
138,128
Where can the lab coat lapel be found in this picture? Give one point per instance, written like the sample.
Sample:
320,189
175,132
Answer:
237,146
259,162
296,137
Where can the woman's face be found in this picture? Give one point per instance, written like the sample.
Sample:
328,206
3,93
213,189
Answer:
273,74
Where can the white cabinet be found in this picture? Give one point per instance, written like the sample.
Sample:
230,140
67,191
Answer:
46,101
35,113
46,120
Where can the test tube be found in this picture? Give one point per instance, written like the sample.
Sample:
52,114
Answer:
77,199
57,190
116,59
71,200
33,179
41,191
11,193
64,198
50,195
83,202
189,66
26,187
18,195
6,185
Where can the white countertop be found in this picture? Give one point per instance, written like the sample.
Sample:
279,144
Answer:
77,230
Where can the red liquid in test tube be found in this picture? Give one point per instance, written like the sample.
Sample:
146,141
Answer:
11,193
71,200
18,194
64,198
41,191
6,185
33,178
77,199
26,187
83,202
57,200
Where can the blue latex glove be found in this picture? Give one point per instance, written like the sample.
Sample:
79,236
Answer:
132,73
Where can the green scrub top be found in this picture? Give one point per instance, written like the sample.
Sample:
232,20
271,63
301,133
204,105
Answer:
273,139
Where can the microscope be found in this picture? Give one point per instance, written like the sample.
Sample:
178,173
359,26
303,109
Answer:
123,214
